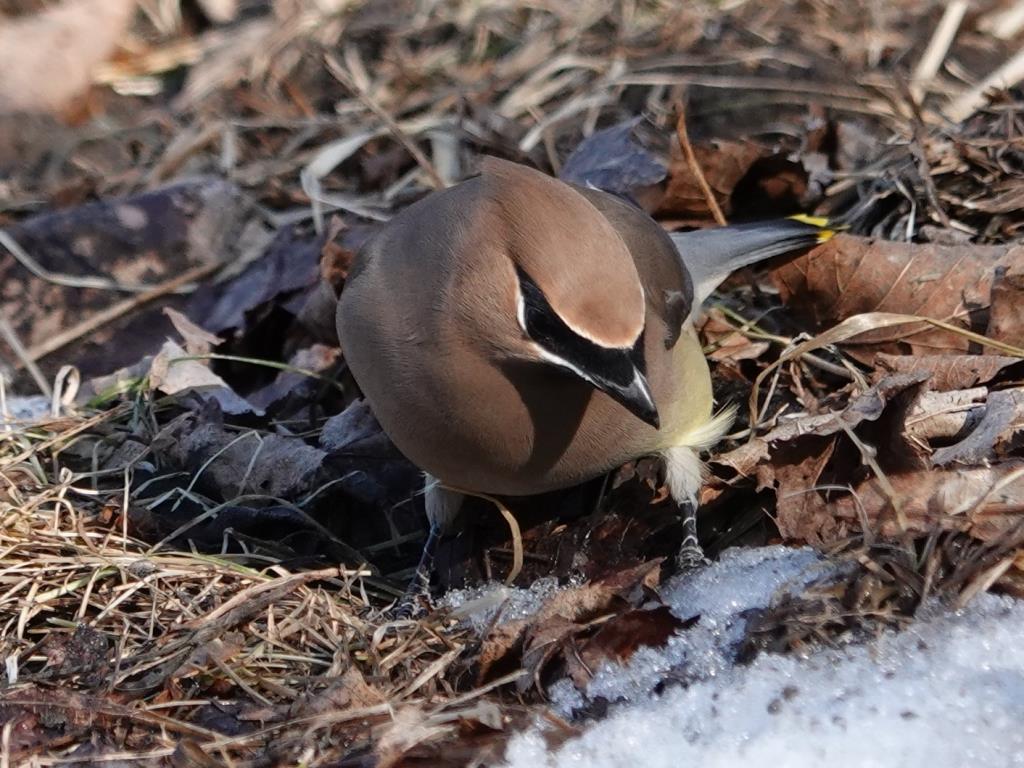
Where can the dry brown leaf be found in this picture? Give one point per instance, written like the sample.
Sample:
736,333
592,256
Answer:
47,59
198,341
791,458
986,502
1001,421
733,169
620,637
727,342
43,717
941,416
350,691
986,425
948,372
502,649
336,256
723,163
565,617
219,650
317,314
849,276
802,513
865,407
410,726
1006,315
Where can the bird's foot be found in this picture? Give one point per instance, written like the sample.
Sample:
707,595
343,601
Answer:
690,558
416,601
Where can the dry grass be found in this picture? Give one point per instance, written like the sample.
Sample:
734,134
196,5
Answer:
101,630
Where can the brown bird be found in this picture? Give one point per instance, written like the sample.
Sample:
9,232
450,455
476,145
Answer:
516,334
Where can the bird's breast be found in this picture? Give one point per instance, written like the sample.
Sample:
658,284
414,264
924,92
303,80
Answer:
522,428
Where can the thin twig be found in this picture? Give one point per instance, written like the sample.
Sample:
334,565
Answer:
24,357
57,278
1007,76
938,47
342,75
924,169
513,525
691,161
120,309
1002,22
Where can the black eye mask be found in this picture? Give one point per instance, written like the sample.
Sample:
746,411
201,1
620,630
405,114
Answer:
608,366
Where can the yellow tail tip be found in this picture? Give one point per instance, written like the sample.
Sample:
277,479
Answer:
825,232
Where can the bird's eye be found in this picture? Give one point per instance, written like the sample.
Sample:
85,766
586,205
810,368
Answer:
536,317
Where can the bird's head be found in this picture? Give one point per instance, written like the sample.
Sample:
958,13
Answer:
578,302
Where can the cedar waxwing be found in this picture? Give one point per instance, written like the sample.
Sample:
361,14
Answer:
515,334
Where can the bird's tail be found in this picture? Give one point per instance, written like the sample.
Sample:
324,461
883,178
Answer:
711,255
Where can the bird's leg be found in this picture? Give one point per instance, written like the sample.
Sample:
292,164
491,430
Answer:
684,473
419,585
691,554
443,505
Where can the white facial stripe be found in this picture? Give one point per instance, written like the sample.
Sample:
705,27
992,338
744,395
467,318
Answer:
562,362
520,307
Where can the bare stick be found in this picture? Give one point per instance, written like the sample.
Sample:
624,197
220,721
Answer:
691,160
938,47
71,281
342,75
115,311
1007,76
1003,23
24,357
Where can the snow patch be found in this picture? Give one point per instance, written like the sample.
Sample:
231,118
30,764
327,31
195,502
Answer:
478,606
948,691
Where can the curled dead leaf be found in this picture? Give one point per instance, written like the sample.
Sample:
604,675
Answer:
949,372
634,160
1001,421
173,371
791,458
865,407
985,502
850,276
728,166
620,637
1006,315
198,341
568,617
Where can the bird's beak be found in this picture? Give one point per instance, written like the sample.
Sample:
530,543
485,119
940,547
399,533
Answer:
636,397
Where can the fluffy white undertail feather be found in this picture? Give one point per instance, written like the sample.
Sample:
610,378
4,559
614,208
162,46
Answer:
684,470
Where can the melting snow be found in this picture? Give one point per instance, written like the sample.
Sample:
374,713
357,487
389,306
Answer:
948,691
